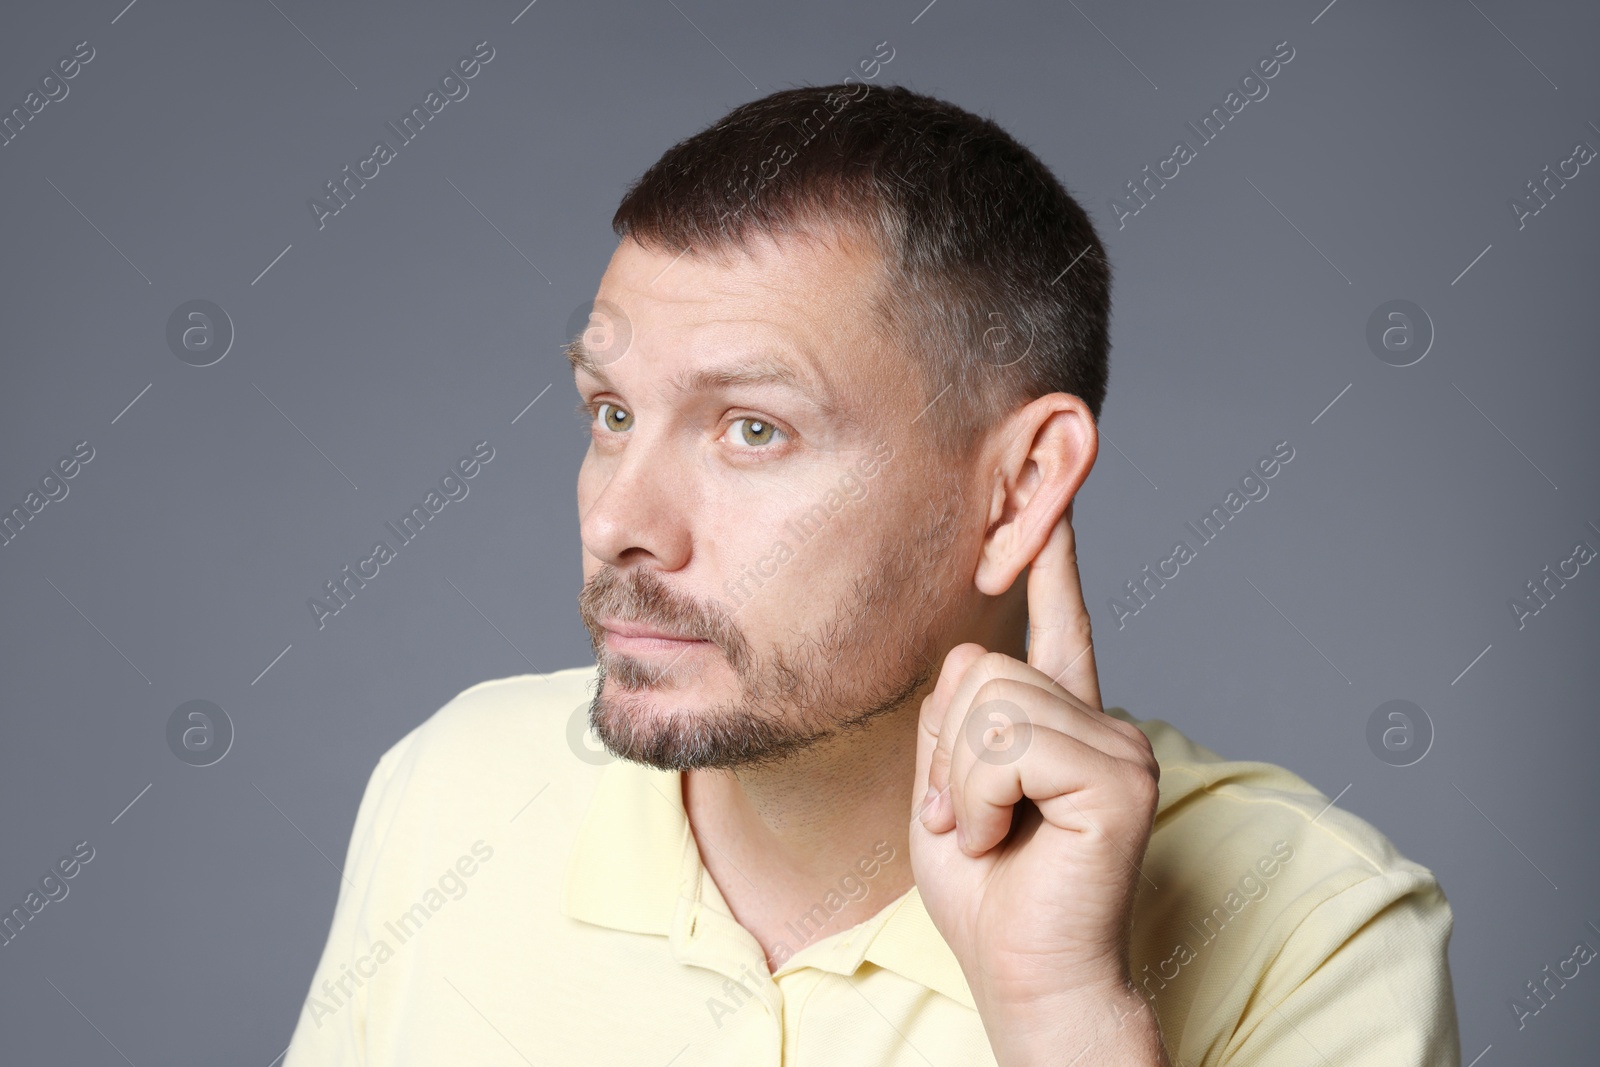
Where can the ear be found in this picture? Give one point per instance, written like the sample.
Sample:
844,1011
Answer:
1049,448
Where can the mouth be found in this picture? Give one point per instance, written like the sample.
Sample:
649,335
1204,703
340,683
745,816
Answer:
636,638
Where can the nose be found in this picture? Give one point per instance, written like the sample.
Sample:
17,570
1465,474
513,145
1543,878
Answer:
635,505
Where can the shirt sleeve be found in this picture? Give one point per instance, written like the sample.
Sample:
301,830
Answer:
331,1031
1364,981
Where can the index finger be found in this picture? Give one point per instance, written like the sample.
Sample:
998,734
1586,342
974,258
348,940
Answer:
1060,642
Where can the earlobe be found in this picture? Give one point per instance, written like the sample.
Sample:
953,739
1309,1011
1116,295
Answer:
1057,448
1001,559
994,574
999,565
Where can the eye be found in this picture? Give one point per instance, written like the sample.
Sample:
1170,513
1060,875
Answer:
613,417
755,432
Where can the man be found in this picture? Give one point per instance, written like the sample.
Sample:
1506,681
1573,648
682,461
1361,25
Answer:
860,802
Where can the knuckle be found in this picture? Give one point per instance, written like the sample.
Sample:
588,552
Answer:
1139,739
992,664
991,689
1146,788
967,650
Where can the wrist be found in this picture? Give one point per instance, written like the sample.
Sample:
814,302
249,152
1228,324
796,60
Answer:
1108,1023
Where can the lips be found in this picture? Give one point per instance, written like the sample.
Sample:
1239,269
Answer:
639,630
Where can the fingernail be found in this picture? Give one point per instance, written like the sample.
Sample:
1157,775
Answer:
927,803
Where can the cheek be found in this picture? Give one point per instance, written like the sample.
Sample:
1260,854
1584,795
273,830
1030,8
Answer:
778,546
833,546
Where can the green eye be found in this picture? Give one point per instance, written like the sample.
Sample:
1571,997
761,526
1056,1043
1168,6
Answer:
756,431
615,418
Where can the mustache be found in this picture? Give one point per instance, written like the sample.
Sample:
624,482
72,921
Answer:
642,596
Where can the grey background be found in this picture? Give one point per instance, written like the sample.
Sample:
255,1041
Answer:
427,316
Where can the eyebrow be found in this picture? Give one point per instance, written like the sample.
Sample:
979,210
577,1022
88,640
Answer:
755,370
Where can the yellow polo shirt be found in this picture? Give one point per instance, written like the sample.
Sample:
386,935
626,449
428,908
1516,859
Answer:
512,895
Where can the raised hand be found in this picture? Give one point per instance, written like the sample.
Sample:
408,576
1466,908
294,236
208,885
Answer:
1051,802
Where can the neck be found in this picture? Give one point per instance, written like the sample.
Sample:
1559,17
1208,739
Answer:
829,827
819,842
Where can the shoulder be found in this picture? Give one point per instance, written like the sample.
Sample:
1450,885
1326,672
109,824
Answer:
1212,808
1257,888
495,716
492,745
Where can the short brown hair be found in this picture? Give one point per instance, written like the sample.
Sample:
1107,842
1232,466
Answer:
986,254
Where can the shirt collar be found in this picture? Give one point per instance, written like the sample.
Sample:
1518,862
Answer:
635,866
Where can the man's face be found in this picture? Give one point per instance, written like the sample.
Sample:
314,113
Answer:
757,487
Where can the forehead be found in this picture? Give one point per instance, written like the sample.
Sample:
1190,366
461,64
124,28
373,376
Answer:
801,300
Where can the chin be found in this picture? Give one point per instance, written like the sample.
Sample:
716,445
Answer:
700,681
639,728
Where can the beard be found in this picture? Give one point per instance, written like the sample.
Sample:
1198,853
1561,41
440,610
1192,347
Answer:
865,658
